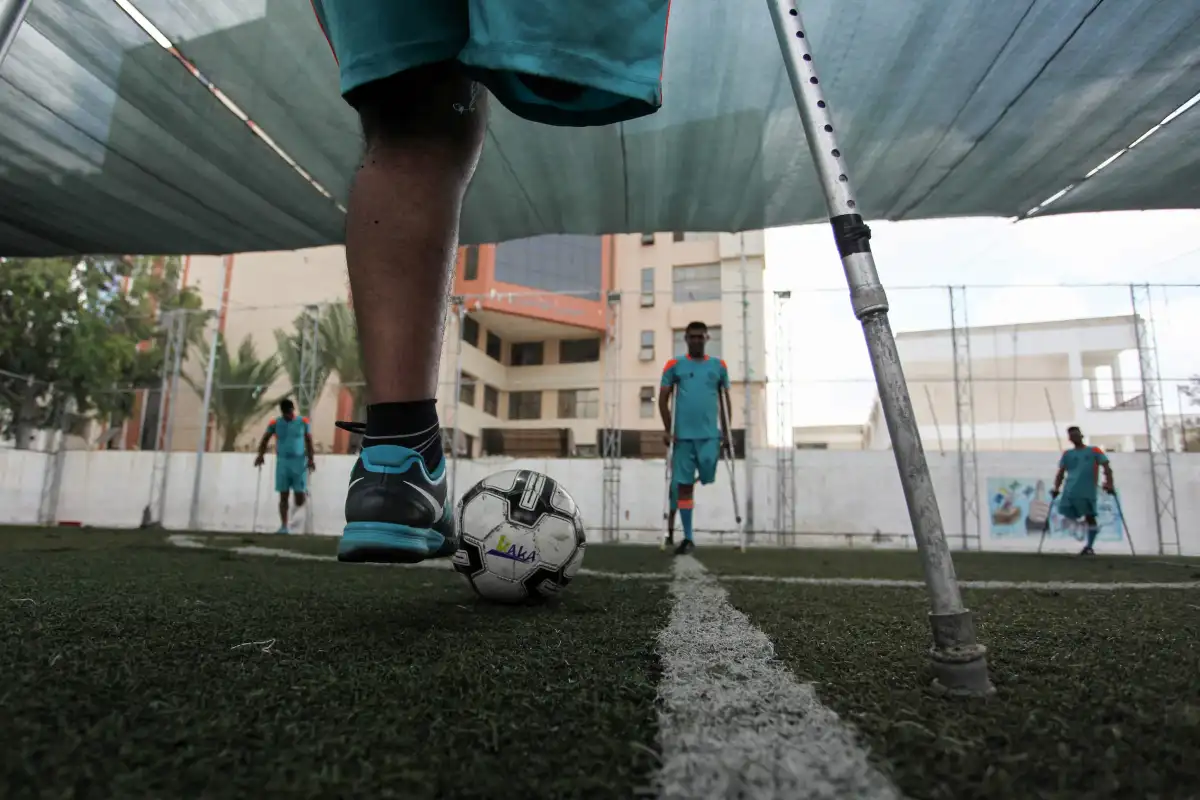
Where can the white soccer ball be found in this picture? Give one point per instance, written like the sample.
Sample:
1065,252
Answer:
520,537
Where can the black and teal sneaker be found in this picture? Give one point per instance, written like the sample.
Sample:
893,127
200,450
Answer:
397,512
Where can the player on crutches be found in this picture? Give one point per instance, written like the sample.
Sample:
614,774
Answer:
699,385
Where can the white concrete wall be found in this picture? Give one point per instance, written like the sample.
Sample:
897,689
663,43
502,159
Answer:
841,498
21,476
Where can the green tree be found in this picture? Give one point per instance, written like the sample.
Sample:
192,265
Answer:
289,346
341,354
69,329
240,388
338,353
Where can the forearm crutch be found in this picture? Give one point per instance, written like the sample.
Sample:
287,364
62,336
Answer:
1046,526
668,473
1121,513
725,423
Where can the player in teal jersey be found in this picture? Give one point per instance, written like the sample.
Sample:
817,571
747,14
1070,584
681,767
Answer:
418,74
293,457
700,384
1081,466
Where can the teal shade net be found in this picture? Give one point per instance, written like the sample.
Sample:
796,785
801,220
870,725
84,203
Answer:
942,107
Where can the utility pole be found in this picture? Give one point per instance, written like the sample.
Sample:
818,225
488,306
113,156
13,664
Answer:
748,411
202,442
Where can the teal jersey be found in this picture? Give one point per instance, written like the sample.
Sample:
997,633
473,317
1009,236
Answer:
289,436
696,381
1083,470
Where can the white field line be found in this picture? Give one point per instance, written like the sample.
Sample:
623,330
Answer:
192,542
733,722
1053,586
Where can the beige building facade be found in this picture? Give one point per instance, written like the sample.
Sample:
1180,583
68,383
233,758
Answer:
546,340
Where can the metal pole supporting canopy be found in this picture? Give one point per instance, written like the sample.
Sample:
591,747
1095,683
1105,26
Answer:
12,14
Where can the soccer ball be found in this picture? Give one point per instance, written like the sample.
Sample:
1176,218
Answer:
520,537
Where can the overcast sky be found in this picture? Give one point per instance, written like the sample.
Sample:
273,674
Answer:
832,375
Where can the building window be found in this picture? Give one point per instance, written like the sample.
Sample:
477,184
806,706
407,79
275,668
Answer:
812,445
494,346
578,351
524,405
586,451
713,348
578,403
647,238
491,401
693,284
553,263
677,236
466,390
647,287
470,331
527,354
646,351
646,402
471,264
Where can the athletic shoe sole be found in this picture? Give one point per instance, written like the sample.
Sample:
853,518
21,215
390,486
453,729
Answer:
387,543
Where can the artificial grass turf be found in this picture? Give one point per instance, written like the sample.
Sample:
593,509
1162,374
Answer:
1098,694
906,565
123,677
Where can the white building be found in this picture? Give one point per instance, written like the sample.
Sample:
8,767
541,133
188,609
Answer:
1029,383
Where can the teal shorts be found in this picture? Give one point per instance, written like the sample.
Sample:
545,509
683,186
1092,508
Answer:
695,458
1077,506
291,475
613,49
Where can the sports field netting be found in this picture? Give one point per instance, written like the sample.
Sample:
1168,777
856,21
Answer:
943,109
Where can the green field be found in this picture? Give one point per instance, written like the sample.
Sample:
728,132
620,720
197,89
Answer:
133,667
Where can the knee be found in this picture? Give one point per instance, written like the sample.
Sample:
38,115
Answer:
299,499
435,112
685,491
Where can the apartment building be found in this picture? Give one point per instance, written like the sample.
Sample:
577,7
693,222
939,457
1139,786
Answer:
541,372
547,338
1029,383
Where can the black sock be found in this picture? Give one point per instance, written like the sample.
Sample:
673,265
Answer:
413,425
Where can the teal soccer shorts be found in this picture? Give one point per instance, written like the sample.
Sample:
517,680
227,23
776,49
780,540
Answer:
291,475
611,49
694,458
1076,507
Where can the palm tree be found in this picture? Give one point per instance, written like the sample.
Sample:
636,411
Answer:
289,346
340,353
240,386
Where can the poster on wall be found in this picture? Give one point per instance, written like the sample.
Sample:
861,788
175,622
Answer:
1018,509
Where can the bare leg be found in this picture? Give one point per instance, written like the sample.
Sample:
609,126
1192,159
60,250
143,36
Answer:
283,509
424,131
402,225
686,504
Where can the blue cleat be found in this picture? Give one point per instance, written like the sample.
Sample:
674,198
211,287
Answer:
396,511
